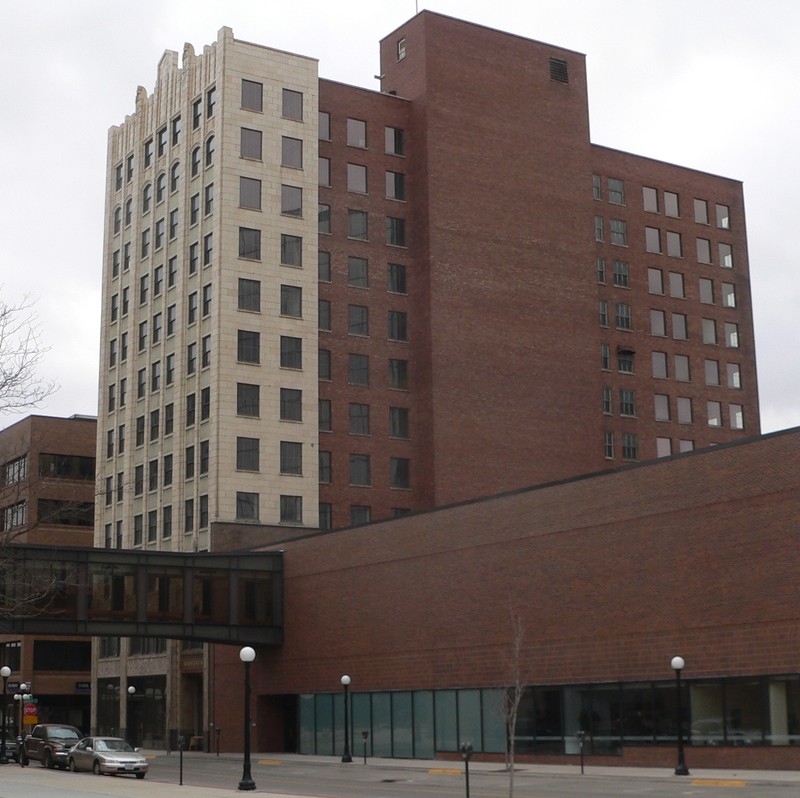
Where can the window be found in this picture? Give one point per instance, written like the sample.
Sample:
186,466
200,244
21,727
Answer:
398,374
395,186
291,509
324,266
650,199
140,431
356,133
247,399
358,369
726,256
605,357
603,311
248,346
117,220
250,143
191,403
630,446
674,246
129,169
206,306
292,152
250,193
144,287
357,272
652,239
142,335
679,327
246,506
685,446
736,416
682,373
401,49
663,447
324,364
396,278
709,331
608,445
700,211
324,126
291,352
360,470
147,197
619,232
197,113
325,468
323,218
291,250
249,294
208,204
249,243
152,475
112,352
676,287
712,372
625,361
189,459
247,454
324,315
324,414
655,281
205,352
627,402
728,295
252,95
734,375
731,335
399,472
359,514
597,187
166,522
160,229
616,191
607,406
623,316
158,280
161,187
173,225
211,148
394,143
118,177
723,217
703,249
292,105
661,407
398,325
157,327
325,171
357,178
191,317
291,301
398,422
357,225
291,201
154,424
671,204
357,320
291,404
706,291
174,177
112,394
204,457
138,481
684,410
660,365
155,376
359,419
600,270
169,418
714,414
621,274
172,271
291,458
188,515
211,101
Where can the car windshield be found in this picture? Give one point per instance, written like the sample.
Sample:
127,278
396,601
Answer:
63,734
111,745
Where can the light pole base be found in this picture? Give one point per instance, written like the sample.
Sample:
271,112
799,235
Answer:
347,758
247,784
681,770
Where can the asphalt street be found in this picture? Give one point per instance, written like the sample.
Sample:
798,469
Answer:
290,776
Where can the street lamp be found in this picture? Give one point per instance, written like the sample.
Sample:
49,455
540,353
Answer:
346,755
22,696
247,655
678,664
5,672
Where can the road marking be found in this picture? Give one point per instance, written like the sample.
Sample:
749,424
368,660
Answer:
718,783
270,762
446,771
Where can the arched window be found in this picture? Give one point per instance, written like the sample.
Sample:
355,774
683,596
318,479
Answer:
195,161
174,176
147,196
128,211
211,147
117,219
161,184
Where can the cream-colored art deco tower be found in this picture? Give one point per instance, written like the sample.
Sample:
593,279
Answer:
208,370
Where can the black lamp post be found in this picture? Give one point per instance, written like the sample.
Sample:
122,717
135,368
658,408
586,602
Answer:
21,697
678,664
5,672
247,655
346,755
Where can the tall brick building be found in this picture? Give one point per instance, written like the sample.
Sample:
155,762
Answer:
497,302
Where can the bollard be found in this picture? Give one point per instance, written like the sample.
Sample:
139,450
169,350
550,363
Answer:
466,753
365,736
181,741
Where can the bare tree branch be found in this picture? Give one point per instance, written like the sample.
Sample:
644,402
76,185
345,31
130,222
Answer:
21,354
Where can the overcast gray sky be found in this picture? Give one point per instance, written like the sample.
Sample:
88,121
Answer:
709,84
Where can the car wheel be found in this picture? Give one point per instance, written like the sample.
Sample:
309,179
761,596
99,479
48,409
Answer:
47,760
96,768
140,776
72,766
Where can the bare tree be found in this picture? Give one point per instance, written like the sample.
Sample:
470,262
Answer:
512,695
21,354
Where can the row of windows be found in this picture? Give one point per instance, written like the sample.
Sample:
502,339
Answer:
121,258
683,409
356,134
358,226
358,273
659,242
359,514
669,202
394,182
358,321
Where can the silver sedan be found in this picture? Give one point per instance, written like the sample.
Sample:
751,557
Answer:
107,755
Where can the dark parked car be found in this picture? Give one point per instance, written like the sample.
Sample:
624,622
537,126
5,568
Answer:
49,744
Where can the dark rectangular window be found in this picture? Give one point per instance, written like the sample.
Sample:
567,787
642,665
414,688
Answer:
398,326
292,105
291,404
291,458
249,243
249,294
291,250
247,454
247,399
252,95
398,422
395,231
249,346
291,352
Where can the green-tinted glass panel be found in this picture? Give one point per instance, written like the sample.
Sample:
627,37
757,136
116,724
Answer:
402,726
324,725
494,730
307,731
362,722
381,724
469,718
446,720
423,725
